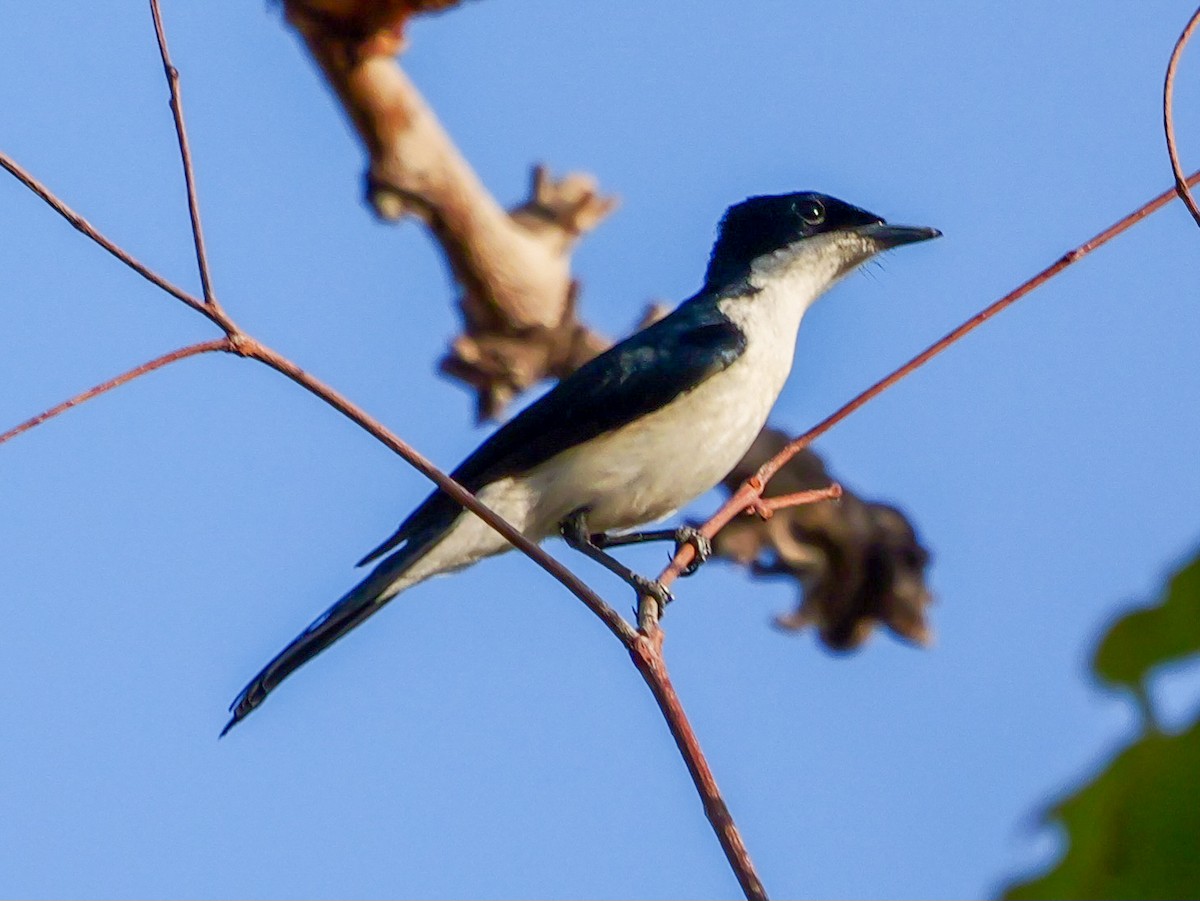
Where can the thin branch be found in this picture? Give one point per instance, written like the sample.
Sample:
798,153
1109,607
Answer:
765,507
240,343
745,496
647,657
1181,183
86,228
1067,259
185,153
192,350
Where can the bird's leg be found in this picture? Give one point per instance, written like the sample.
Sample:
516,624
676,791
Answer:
574,531
681,536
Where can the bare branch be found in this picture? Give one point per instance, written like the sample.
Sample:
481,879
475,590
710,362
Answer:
765,507
185,154
749,497
1181,184
647,657
86,228
646,651
654,674
242,344
182,353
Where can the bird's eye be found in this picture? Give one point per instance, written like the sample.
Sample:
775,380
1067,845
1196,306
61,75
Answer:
812,212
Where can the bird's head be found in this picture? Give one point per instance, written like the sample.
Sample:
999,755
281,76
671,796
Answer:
763,235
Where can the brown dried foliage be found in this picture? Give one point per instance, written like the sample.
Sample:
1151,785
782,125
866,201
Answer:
857,563
513,267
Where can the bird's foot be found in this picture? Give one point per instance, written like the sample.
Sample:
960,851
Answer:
652,587
699,542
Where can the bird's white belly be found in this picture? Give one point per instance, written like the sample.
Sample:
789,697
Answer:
646,470
633,475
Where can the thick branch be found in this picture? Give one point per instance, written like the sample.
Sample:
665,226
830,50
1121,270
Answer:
518,298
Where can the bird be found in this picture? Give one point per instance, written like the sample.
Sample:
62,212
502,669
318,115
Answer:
638,431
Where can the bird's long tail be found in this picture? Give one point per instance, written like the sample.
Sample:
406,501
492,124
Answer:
359,604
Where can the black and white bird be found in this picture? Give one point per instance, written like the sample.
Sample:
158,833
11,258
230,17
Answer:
640,430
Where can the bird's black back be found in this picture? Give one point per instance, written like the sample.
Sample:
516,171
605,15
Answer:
638,376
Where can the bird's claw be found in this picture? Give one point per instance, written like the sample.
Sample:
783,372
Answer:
699,542
654,588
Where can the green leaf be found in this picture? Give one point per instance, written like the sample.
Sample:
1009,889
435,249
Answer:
1134,831
1146,638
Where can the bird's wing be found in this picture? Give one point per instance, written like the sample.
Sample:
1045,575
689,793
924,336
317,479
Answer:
638,376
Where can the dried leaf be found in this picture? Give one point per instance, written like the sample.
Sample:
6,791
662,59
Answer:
857,563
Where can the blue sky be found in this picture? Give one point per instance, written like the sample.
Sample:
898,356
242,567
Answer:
485,737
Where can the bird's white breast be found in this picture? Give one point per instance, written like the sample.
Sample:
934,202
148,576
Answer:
649,468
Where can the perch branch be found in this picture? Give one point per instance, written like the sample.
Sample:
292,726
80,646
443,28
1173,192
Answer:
615,622
518,299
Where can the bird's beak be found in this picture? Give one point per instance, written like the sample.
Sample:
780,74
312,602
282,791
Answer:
889,236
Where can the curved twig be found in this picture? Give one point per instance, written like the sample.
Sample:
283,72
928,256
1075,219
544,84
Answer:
182,353
1181,184
765,507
